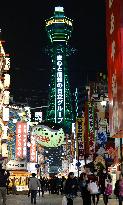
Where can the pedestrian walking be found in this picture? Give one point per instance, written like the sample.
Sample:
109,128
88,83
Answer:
96,195
94,191
105,184
63,185
70,189
33,187
83,186
3,183
118,190
42,183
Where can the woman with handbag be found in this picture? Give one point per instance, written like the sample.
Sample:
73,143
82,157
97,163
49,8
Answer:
108,190
94,191
104,176
118,190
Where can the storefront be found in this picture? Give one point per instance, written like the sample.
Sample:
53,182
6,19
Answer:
19,176
19,180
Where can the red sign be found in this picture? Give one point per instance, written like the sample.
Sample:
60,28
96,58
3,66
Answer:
114,30
21,139
24,139
19,150
33,149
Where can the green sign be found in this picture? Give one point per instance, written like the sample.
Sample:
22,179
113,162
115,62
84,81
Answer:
48,137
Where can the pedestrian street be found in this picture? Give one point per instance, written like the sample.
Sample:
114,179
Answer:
48,200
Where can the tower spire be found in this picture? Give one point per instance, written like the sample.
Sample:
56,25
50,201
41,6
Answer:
59,29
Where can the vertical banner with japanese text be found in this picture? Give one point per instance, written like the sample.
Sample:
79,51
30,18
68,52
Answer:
114,31
91,127
19,140
79,138
72,148
59,100
33,148
24,139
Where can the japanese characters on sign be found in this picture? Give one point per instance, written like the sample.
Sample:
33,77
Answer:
60,90
91,128
19,145
33,149
115,65
72,147
7,65
79,137
21,139
24,139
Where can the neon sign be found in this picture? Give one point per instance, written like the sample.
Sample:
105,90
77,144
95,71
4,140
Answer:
48,137
52,21
59,90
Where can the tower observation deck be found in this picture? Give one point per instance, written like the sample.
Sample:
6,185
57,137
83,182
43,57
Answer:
59,29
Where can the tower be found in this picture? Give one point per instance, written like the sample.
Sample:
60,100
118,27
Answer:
59,29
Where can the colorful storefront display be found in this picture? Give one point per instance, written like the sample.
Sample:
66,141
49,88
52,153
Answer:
20,179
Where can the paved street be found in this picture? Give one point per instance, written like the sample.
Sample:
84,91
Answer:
47,200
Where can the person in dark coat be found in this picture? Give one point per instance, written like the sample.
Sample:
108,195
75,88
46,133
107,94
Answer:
118,190
70,189
83,186
3,183
102,182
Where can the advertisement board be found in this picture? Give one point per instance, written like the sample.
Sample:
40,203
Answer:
114,31
21,139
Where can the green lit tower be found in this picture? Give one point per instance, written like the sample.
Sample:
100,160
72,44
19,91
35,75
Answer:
59,29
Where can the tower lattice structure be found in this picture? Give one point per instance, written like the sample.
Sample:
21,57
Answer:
59,29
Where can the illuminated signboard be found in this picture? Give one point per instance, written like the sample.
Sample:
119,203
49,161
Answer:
59,91
5,114
114,11
48,137
7,65
33,149
6,80
21,139
91,128
80,137
19,146
60,20
59,9
38,116
24,132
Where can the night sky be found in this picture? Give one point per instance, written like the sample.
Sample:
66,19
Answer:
23,30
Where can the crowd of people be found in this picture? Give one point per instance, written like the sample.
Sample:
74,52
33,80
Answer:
90,184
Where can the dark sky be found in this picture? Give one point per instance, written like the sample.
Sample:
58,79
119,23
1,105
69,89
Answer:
23,29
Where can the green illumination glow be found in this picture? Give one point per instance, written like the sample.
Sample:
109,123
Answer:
48,137
59,32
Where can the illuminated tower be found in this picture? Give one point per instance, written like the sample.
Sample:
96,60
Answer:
59,29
